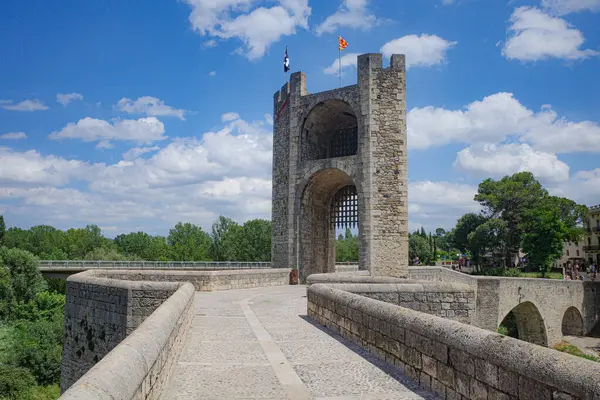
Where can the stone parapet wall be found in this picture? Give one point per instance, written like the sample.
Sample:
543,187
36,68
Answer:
103,307
103,264
455,360
343,268
99,313
447,300
132,333
442,274
208,281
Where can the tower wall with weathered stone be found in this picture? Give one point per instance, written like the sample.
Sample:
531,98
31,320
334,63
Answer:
281,246
384,164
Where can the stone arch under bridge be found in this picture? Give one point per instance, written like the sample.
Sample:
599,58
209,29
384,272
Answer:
339,156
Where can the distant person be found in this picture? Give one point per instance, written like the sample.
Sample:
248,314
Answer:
576,271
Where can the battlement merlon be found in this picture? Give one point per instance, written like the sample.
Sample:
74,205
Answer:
295,87
374,62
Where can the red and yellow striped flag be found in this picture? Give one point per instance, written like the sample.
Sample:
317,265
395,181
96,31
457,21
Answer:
342,43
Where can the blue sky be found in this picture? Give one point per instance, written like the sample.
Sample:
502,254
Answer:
137,115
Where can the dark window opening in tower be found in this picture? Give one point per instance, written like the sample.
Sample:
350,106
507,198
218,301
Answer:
329,131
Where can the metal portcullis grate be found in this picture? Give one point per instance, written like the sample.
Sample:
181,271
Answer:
344,208
344,143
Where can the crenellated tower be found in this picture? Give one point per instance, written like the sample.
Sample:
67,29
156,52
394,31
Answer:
339,160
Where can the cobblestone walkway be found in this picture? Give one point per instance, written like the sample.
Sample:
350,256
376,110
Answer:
259,344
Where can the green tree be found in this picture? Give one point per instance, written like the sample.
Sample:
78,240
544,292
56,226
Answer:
464,226
490,236
510,199
16,238
26,279
544,236
44,241
418,246
37,346
223,231
255,242
188,242
134,243
346,247
6,292
15,383
158,250
2,229
81,241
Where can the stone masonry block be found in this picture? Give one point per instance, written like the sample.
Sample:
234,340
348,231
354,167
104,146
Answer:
532,390
478,391
463,383
445,375
462,362
486,372
430,366
438,388
508,382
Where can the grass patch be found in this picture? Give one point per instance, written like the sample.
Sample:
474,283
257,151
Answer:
549,275
575,351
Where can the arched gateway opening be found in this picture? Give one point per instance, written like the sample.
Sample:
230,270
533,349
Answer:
329,202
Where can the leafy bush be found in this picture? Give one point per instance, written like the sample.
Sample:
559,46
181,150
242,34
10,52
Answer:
512,272
15,383
57,285
26,278
37,346
50,392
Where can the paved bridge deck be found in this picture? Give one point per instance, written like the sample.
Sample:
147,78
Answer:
259,344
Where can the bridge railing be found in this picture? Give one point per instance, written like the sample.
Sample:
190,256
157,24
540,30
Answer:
92,264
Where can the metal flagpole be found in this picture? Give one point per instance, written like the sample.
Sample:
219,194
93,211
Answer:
340,62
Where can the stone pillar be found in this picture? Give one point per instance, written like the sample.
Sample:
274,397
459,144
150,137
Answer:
286,141
384,214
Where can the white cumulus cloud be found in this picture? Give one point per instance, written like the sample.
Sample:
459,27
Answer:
227,171
535,35
25,105
501,160
439,204
347,60
14,135
256,27
66,98
150,106
32,168
421,50
497,117
351,13
143,130
564,7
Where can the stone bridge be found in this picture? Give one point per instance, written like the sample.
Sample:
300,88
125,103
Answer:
545,310
174,334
